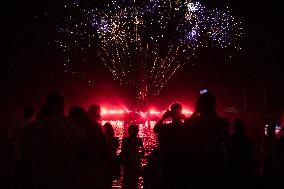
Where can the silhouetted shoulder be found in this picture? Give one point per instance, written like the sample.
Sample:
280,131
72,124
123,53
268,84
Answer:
59,124
190,121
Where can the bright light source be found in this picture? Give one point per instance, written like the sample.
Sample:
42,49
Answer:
112,112
185,111
143,114
124,111
153,112
203,91
121,111
103,111
128,111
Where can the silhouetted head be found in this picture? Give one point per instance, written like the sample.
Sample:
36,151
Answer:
95,112
206,103
176,108
80,115
55,103
29,112
239,126
176,111
133,130
109,132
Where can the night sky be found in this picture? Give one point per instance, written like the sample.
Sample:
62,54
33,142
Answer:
31,65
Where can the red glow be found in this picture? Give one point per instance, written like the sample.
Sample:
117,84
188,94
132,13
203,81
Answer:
152,112
143,114
105,111
186,112
128,111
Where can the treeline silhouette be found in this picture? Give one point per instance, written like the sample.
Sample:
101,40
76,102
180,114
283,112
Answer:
57,151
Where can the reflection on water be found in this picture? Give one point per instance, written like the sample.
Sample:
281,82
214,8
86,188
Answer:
149,139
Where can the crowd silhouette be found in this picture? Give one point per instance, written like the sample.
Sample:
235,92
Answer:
57,151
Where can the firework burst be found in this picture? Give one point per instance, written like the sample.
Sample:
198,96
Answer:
145,44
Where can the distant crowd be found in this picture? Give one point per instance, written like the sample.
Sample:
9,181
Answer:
57,151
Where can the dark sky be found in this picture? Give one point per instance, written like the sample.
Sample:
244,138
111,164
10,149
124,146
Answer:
31,66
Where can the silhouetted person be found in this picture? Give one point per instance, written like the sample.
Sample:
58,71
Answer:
6,150
274,164
28,118
152,172
51,147
270,135
92,172
168,136
112,146
279,153
269,148
203,136
240,157
274,160
112,141
175,113
95,112
167,131
132,151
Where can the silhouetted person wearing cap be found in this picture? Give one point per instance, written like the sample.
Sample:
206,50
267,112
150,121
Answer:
203,136
240,157
132,151
51,147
